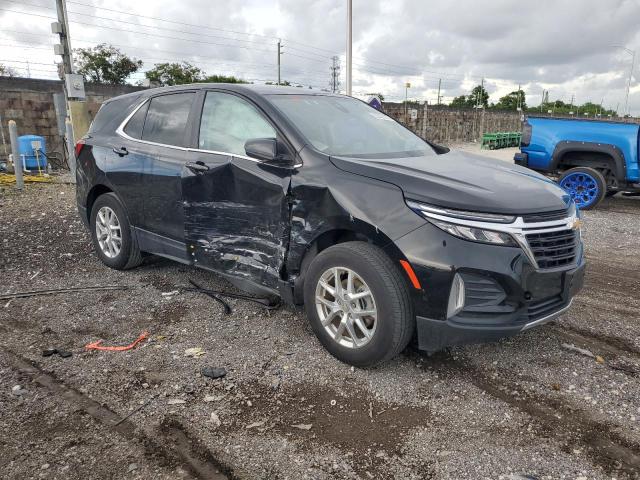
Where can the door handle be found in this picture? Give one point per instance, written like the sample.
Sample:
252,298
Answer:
197,166
120,151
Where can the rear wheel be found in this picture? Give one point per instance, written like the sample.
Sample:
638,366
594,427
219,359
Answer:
586,186
358,304
111,234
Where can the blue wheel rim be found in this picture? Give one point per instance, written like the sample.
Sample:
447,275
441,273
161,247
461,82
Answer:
582,187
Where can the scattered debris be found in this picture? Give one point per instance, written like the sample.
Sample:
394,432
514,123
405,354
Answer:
213,372
170,294
35,275
189,388
97,346
18,391
255,424
215,419
176,401
35,293
52,351
213,398
135,410
303,426
333,403
581,351
132,467
555,386
599,359
194,352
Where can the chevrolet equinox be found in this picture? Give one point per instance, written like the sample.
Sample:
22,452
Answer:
322,200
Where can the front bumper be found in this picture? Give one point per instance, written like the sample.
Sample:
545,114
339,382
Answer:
506,293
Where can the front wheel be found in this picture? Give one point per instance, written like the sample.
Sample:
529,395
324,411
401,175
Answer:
358,304
586,186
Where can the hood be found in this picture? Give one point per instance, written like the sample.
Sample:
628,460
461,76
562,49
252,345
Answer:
463,181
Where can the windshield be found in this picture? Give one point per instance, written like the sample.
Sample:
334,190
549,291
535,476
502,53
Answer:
344,126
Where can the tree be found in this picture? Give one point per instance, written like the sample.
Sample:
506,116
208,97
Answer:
174,73
459,102
479,96
7,71
379,95
222,79
105,64
512,101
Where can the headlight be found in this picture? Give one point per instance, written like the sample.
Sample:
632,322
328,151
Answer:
445,219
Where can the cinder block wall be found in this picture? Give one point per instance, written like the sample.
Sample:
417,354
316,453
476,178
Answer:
30,103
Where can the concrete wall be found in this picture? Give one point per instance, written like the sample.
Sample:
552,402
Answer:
30,103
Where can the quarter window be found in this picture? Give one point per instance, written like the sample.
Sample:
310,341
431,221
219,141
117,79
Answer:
136,123
167,117
228,122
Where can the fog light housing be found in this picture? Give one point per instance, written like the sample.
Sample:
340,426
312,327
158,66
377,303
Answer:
456,296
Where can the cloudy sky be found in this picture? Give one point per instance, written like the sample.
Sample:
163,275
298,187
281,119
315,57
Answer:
565,46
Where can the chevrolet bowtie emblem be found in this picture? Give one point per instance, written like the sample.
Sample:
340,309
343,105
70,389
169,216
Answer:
577,224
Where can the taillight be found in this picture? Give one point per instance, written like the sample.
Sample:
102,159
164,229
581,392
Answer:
79,146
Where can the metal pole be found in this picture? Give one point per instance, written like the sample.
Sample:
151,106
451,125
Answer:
626,102
278,62
71,149
17,163
349,40
439,84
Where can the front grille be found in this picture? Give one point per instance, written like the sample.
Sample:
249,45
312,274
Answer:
554,249
542,308
545,216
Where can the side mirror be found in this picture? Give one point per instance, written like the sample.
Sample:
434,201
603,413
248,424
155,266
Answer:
263,149
266,150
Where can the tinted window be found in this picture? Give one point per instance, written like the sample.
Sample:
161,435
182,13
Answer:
229,121
135,124
346,126
166,120
113,112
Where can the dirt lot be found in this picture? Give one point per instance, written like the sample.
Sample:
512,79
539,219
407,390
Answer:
523,408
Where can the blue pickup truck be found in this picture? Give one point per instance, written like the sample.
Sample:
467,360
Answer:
592,159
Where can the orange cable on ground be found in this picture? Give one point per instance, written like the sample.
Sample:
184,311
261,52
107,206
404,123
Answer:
97,346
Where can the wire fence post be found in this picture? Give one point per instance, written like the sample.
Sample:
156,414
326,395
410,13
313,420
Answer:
17,161
71,150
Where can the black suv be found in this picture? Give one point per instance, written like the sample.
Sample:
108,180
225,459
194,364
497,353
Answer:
321,200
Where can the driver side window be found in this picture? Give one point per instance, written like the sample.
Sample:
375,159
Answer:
228,122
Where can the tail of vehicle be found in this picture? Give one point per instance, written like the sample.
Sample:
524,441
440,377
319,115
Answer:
592,159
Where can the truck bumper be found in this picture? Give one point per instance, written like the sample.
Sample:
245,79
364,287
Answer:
521,159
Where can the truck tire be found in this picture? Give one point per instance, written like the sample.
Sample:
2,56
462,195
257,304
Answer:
111,233
586,186
358,304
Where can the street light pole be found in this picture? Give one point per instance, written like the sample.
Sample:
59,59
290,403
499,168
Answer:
349,41
627,110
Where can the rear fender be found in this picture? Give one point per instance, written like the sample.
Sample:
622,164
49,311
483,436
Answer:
619,167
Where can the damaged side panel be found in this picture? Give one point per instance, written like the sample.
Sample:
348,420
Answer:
237,217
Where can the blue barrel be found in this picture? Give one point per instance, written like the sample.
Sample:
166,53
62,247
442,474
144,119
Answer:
33,149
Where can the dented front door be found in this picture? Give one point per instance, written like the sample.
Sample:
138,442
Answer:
236,210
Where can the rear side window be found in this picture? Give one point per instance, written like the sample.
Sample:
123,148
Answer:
136,123
166,120
112,113
228,122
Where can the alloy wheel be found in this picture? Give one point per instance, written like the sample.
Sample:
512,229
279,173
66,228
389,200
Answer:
346,307
108,232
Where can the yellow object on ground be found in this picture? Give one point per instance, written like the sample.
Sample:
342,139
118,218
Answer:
6,179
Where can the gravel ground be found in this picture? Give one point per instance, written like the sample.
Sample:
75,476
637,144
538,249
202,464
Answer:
526,407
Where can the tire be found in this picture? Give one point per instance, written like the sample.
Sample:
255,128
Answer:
108,210
586,186
371,269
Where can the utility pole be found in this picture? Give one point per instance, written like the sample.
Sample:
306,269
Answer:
349,44
407,86
279,55
627,110
335,74
63,31
439,85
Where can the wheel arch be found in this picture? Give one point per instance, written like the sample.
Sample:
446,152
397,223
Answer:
600,156
323,240
92,196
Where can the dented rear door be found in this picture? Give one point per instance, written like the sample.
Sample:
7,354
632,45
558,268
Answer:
236,209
